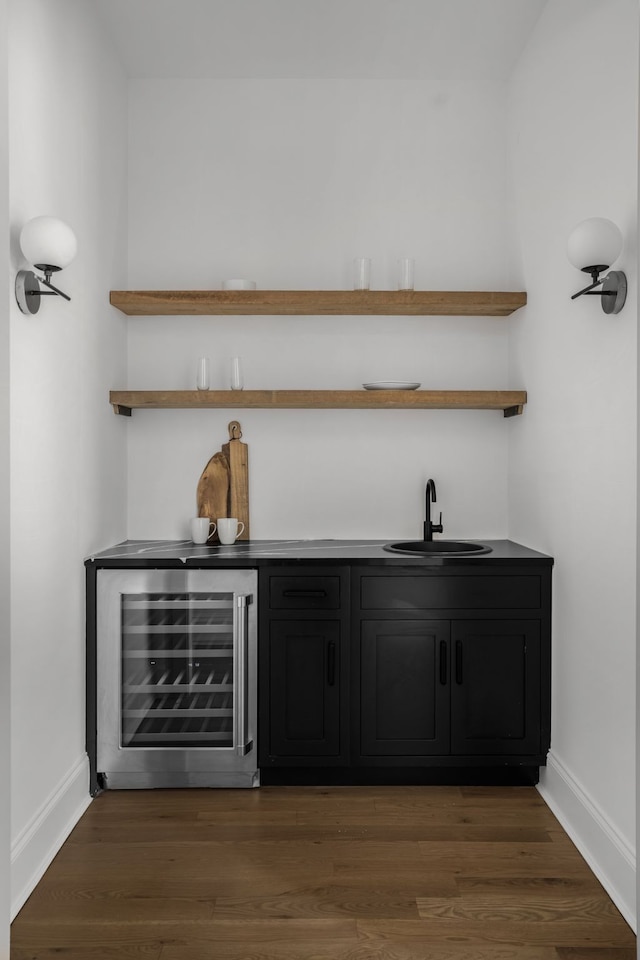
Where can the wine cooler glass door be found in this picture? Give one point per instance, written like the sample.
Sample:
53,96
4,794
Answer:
177,670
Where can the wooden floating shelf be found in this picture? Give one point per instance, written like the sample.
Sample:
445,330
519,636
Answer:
411,303
511,402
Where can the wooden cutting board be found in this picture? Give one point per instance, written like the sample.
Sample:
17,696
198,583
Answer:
237,454
223,488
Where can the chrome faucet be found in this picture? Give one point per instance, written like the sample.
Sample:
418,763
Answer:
429,527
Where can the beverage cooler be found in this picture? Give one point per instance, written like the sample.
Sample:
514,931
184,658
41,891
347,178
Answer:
176,664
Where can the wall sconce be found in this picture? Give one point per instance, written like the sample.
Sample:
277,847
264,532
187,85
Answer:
593,246
50,245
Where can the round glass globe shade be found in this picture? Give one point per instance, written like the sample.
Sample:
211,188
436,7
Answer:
48,241
594,242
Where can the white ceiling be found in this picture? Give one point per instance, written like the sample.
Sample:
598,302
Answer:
460,39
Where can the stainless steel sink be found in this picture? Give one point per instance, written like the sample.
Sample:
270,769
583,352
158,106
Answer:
437,548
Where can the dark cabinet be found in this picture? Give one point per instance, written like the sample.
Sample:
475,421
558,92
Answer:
457,688
304,688
404,692
496,687
303,656
450,668
369,668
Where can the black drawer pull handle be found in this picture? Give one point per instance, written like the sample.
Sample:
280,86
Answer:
307,594
458,661
443,662
331,664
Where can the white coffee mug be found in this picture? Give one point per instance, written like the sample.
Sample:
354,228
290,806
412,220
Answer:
229,528
200,529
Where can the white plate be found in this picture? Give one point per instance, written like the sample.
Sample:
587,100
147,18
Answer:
390,385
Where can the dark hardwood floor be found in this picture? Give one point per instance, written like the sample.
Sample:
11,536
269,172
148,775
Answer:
320,873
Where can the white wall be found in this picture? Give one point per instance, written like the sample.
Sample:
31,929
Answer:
67,158
572,474
5,558
285,182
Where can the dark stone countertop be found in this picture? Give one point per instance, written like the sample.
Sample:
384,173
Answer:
254,553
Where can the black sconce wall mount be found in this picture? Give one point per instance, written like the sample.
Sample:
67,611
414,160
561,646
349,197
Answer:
50,245
593,246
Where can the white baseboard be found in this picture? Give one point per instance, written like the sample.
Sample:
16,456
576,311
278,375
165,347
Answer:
608,854
36,846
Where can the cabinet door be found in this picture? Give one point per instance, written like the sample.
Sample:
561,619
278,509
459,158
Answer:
495,687
404,688
304,688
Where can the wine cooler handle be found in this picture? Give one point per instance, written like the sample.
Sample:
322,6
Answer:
241,680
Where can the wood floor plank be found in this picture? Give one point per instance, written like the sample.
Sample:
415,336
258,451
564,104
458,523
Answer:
464,813
294,810
519,908
596,953
505,859
522,887
180,885
189,804
330,901
363,950
235,855
517,794
161,931
469,869
374,871
439,822
106,951
285,950
316,829
119,907
525,933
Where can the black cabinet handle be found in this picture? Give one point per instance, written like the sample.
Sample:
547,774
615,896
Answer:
458,661
331,664
443,662
307,594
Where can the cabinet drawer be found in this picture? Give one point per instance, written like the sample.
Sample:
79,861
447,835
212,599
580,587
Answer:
304,593
446,592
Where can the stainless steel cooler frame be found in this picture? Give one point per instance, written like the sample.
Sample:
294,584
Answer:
165,765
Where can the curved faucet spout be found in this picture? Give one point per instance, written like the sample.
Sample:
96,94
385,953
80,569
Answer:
430,497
